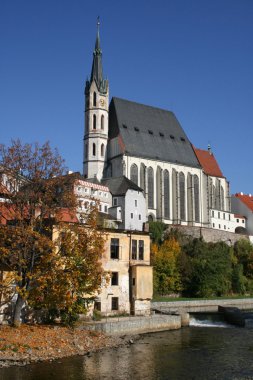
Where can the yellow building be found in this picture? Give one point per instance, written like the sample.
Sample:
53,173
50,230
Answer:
127,259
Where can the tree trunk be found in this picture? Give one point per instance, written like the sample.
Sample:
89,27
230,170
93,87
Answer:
17,311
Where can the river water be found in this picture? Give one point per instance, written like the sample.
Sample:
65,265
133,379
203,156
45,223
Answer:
208,349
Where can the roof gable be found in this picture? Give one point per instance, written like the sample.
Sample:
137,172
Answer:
149,132
120,185
208,162
246,199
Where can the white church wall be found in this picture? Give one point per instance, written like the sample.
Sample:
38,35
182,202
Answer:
129,161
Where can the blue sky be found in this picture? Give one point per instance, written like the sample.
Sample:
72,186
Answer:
193,57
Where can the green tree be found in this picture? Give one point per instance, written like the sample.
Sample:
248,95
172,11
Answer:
156,230
166,273
210,268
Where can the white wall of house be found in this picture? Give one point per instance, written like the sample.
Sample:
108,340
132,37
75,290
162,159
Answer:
226,221
238,207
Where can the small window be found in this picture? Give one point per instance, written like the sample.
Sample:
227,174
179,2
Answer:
94,99
225,227
136,129
114,248
213,225
228,216
124,126
219,215
115,303
102,150
135,202
100,207
213,214
97,305
115,201
150,132
243,221
94,149
132,215
102,121
133,281
139,216
105,208
182,138
161,134
134,249
141,249
237,220
219,226
172,137
94,122
115,279
224,216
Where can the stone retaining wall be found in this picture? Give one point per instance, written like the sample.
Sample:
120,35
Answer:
202,305
135,325
210,234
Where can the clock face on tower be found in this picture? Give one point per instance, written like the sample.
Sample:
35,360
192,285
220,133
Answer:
102,102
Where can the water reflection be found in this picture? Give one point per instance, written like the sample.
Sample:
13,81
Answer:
190,353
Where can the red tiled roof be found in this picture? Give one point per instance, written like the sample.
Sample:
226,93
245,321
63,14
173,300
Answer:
246,199
208,162
66,215
3,189
6,212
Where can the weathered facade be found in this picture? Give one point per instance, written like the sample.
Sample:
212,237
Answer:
127,260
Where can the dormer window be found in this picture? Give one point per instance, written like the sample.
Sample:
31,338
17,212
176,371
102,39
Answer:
182,138
172,137
150,132
161,134
124,126
136,129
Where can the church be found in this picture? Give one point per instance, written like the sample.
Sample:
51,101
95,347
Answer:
181,184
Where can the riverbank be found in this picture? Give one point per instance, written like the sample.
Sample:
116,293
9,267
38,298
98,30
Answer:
29,344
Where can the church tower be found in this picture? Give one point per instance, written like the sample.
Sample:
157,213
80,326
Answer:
96,117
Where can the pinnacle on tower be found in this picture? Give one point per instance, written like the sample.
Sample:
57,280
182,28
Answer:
97,69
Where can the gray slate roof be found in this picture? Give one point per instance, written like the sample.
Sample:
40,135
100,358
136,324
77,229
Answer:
149,132
120,185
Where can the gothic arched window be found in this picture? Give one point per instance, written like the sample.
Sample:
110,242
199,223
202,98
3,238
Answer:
175,195
222,199
94,149
134,173
150,188
94,122
102,122
166,186
142,177
190,198
94,99
182,195
196,196
214,197
159,191
102,150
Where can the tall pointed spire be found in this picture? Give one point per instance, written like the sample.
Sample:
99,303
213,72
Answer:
97,69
